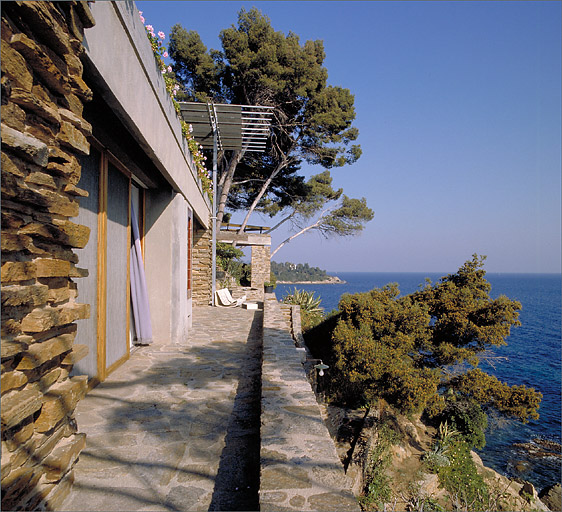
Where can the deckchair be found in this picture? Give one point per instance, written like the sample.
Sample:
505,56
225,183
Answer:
223,298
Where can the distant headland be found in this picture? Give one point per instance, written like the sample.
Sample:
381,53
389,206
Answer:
328,280
301,273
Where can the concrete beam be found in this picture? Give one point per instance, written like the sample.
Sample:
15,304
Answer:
245,239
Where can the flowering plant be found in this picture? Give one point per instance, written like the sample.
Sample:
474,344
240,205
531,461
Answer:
173,87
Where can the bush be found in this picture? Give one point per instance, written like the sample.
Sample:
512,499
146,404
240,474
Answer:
460,478
311,312
228,258
377,489
469,419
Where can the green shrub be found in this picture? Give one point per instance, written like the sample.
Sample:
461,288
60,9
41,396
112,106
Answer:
311,312
228,258
469,419
438,457
466,487
377,489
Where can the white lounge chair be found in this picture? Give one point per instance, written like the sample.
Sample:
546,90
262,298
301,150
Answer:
223,298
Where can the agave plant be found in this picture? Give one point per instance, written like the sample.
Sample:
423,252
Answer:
305,299
437,456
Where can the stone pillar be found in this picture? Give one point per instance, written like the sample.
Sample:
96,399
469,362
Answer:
202,271
43,135
261,268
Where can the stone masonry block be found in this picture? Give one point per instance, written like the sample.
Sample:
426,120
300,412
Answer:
33,295
76,234
18,405
28,146
78,352
15,271
61,459
31,102
42,319
13,347
15,67
73,138
41,63
46,23
60,401
78,122
39,353
12,380
48,267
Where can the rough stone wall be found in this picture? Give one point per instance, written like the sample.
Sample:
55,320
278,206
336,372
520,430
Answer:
261,268
202,267
43,134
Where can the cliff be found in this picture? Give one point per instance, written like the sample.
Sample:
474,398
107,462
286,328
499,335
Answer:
358,438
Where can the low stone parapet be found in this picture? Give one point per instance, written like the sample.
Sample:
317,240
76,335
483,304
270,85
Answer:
300,469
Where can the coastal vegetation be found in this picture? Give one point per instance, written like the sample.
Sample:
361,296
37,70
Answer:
298,272
311,312
420,354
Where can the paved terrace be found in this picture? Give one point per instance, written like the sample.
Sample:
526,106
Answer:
177,427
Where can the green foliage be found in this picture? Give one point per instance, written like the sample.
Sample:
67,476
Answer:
399,348
325,210
377,490
297,272
228,258
311,312
260,66
437,457
173,88
468,417
466,487
519,402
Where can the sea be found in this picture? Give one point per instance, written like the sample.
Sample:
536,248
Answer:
533,357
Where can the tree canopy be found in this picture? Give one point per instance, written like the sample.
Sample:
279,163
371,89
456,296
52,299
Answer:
260,66
322,209
422,350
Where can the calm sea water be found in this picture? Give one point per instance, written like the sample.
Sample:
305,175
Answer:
534,356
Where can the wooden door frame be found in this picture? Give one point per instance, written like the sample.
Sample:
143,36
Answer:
106,157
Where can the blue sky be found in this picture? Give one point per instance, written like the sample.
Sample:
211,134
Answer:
459,112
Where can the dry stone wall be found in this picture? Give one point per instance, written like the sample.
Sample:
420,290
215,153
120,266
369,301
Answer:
43,135
261,267
202,267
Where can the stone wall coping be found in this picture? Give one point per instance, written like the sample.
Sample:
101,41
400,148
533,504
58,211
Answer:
300,469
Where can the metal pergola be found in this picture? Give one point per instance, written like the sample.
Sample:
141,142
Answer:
220,126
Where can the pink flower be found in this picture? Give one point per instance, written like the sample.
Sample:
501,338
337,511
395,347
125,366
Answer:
142,19
150,28
165,55
169,67
161,35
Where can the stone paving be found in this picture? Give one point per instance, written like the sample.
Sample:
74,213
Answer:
177,426
300,469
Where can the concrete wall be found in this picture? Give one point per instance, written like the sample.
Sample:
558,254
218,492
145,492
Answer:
166,264
118,49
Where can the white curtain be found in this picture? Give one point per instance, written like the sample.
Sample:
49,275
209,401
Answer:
139,293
